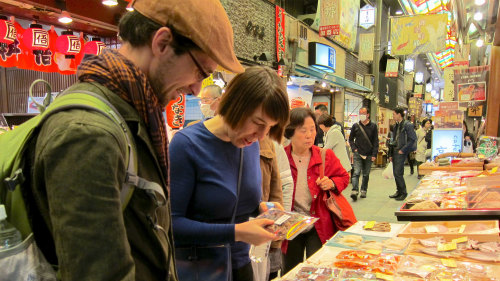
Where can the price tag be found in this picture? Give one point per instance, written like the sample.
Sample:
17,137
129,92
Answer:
431,229
374,252
449,189
449,263
460,240
462,228
384,276
494,170
282,219
447,247
369,224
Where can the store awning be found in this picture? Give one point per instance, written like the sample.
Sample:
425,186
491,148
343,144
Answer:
331,78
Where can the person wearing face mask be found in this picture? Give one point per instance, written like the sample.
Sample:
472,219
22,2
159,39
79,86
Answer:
364,144
209,100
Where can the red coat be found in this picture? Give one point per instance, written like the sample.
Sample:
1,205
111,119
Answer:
334,170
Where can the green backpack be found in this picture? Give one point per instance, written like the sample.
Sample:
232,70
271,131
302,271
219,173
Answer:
13,145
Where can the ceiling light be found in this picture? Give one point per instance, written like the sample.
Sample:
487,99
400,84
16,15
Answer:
129,7
323,85
427,63
478,16
110,2
479,43
399,12
331,90
65,18
480,2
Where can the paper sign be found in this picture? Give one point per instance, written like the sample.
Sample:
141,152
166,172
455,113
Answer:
369,224
449,189
460,240
449,263
494,170
447,246
384,276
431,229
374,252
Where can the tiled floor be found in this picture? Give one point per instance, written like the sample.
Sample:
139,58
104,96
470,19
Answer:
377,205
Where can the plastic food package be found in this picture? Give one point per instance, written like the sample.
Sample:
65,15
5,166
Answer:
381,263
487,147
287,225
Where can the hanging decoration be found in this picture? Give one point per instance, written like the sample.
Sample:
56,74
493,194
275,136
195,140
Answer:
35,38
7,32
175,112
94,47
68,44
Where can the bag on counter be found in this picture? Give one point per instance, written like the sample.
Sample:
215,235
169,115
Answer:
340,210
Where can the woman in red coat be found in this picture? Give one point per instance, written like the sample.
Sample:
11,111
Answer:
305,161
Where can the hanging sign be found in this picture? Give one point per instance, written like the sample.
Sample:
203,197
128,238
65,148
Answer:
392,68
349,14
359,79
367,16
175,112
366,43
408,82
329,18
280,33
449,87
418,34
470,83
446,141
475,111
418,90
322,56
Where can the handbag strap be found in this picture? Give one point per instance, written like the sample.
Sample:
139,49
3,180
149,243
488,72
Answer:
240,172
322,166
366,136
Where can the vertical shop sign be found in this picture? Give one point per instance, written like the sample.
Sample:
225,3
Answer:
461,55
329,18
470,83
408,82
280,33
449,87
359,79
418,90
349,17
367,16
366,43
418,34
392,68
175,112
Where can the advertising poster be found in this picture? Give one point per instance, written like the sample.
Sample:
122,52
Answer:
448,119
349,15
329,17
470,83
449,87
300,93
446,141
408,81
418,34
392,68
366,43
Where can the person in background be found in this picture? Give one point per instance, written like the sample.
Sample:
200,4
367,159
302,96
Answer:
318,111
205,166
364,144
334,140
305,159
421,156
403,142
79,166
412,154
209,100
469,141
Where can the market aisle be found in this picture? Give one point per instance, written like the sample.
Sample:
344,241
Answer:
377,205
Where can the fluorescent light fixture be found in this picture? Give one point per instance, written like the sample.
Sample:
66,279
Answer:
65,18
479,43
480,2
478,16
399,12
428,87
110,2
419,77
323,85
129,7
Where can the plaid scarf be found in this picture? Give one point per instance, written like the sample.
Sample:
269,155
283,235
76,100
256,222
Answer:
121,76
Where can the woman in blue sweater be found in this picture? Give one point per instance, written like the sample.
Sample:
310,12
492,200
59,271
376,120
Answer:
205,160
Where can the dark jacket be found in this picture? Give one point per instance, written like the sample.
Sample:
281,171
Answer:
79,166
404,138
358,141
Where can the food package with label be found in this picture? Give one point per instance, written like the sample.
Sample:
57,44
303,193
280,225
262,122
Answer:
287,225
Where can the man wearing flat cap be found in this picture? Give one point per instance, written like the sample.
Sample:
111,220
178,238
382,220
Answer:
79,167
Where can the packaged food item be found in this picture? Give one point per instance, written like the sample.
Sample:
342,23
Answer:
287,225
308,273
354,275
378,226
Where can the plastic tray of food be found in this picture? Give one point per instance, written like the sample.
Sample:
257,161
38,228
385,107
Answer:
356,241
482,231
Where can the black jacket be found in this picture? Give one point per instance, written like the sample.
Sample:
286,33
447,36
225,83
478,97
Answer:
407,140
358,141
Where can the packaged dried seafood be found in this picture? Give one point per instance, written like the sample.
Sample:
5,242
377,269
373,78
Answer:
287,225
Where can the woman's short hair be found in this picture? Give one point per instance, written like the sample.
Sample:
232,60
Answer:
297,118
138,30
425,121
325,119
257,86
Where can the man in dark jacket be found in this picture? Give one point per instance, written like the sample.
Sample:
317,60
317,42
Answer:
364,145
79,161
403,142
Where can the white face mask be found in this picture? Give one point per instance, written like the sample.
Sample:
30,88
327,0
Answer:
207,111
362,117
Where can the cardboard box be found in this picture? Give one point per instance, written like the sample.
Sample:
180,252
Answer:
456,229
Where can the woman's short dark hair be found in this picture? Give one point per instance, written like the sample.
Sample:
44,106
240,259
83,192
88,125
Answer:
138,30
325,119
257,86
297,118
425,121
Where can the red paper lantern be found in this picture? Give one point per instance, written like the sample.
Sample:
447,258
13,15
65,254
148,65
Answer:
68,44
175,112
7,31
94,47
35,38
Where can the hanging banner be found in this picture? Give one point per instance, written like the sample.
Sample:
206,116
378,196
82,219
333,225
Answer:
280,33
418,34
408,82
415,107
392,68
329,17
449,87
475,111
470,83
418,90
448,119
367,16
349,17
175,112
366,44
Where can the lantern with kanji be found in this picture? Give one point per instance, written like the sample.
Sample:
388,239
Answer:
68,44
94,47
175,112
36,39
7,32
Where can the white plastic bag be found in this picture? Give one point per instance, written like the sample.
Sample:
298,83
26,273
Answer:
259,255
25,262
388,173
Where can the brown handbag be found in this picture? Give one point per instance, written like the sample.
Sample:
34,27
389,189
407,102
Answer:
340,210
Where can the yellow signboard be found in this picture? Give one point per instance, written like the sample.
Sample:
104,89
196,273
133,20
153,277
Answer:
449,87
366,43
418,34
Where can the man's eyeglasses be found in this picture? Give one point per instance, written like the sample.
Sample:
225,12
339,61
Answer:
202,74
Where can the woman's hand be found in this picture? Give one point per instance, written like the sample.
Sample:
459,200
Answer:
325,183
253,232
263,206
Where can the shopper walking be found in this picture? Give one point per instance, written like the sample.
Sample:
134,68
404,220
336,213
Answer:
78,161
334,140
364,144
421,155
210,213
305,159
403,142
